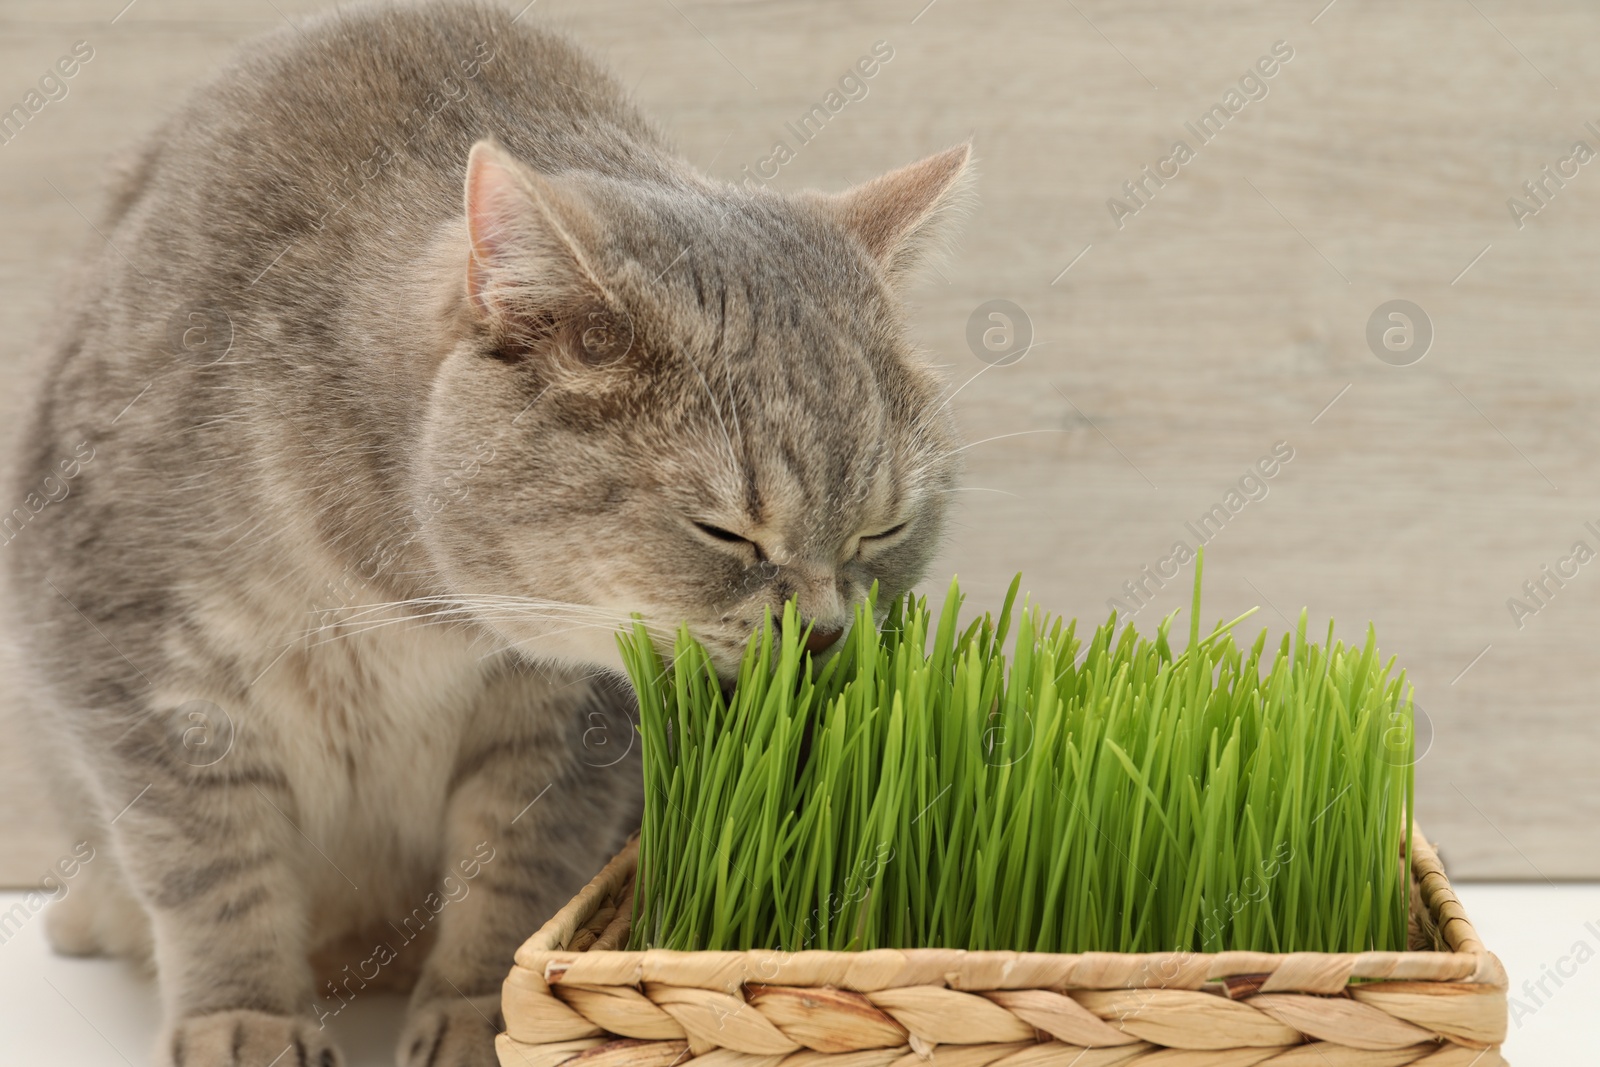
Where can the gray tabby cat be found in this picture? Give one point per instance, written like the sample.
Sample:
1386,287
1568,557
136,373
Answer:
413,363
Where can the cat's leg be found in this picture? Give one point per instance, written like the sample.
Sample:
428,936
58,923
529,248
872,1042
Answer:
93,912
213,855
547,790
96,914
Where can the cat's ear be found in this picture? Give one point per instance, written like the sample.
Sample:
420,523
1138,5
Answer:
905,217
529,271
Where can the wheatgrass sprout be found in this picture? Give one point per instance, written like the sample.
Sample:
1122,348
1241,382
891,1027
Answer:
1009,785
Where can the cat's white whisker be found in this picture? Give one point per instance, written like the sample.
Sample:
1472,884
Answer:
979,489
997,437
473,615
345,632
464,611
986,368
470,603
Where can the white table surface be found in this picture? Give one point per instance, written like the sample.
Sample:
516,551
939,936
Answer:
74,1013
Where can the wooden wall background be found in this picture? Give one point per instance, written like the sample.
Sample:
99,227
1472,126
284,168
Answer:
1226,315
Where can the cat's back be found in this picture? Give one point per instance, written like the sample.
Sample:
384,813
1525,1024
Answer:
352,129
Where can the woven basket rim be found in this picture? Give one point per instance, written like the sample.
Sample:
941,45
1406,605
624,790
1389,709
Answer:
574,999
547,954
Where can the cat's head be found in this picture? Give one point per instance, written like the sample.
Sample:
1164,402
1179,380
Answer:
685,399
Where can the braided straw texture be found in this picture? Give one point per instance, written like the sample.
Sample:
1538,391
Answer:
575,999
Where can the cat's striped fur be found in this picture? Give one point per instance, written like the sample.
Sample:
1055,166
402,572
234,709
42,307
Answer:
385,446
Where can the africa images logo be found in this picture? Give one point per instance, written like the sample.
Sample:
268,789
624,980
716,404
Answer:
1252,85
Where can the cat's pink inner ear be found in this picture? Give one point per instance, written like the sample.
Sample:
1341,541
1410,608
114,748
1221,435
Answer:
497,206
527,233
903,216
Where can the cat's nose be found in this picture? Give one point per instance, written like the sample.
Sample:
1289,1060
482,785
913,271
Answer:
819,639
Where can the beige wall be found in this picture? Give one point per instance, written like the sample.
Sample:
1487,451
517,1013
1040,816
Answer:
1221,318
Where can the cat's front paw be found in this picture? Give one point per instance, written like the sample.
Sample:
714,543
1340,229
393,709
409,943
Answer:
249,1039
452,1032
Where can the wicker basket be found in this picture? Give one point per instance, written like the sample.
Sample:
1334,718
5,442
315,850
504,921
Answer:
573,998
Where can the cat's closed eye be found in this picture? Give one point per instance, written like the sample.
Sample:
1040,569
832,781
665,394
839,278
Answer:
867,543
718,533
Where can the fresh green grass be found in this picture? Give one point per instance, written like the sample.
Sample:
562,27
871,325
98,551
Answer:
933,786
